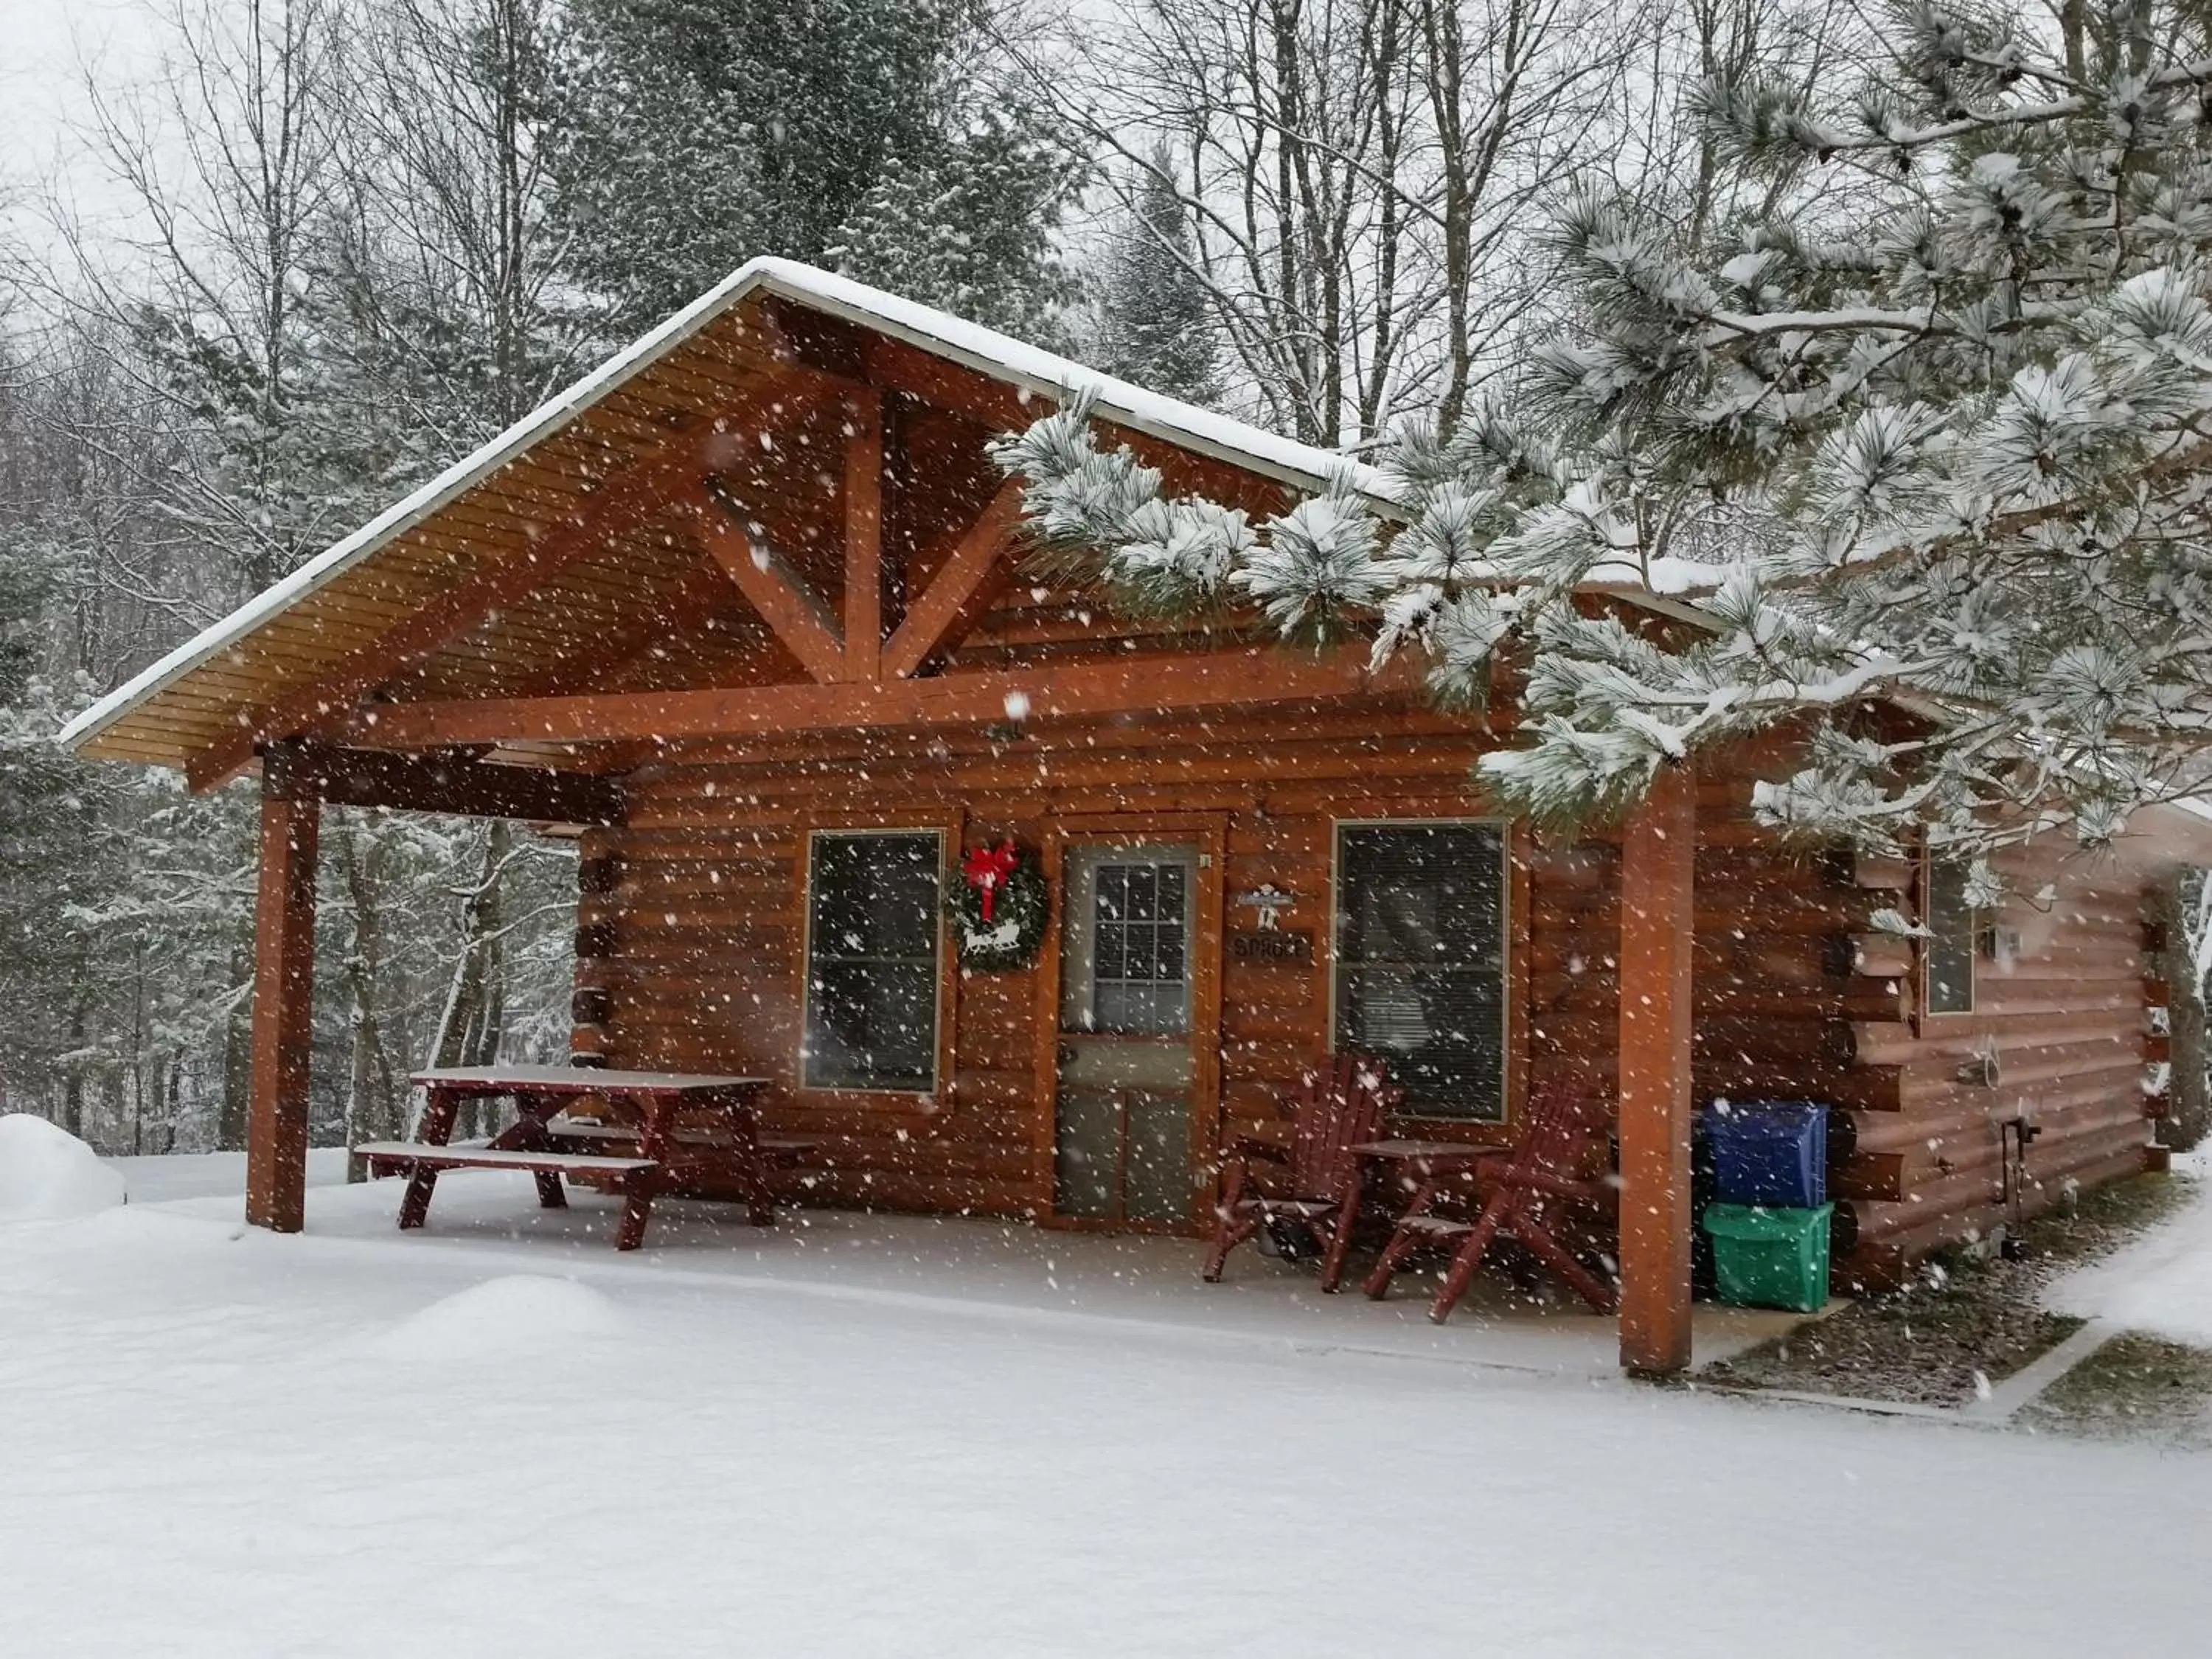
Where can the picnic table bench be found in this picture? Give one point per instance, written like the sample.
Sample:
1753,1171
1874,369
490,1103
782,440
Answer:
687,1131
411,1158
777,1149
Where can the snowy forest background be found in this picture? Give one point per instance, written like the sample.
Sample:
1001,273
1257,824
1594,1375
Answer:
339,243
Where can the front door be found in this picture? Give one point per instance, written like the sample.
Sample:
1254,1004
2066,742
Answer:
1124,1107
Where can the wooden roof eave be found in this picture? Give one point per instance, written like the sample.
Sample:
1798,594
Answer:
338,560
1138,413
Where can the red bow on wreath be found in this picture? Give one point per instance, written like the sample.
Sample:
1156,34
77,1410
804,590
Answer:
986,869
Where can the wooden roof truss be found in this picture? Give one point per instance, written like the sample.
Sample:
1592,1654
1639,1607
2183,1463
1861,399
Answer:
788,524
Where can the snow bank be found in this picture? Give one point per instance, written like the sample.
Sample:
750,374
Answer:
510,1317
46,1173
2161,1284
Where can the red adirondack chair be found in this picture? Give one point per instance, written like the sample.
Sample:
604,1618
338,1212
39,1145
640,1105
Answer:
1523,1191
1337,1105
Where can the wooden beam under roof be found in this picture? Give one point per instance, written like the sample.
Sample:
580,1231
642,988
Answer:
992,404
837,349
774,589
1124,685
961,590
580,527
252,677
451,781
863,535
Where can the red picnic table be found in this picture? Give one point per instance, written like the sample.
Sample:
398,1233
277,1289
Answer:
640,1135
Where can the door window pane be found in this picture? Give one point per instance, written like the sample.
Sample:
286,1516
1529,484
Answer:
1138,949
872,907
1420,960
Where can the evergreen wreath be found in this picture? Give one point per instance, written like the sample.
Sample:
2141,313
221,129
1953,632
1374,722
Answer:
998,907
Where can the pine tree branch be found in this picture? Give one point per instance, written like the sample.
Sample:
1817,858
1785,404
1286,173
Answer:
2013,118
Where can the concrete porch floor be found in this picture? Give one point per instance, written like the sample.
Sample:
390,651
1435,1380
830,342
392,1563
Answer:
1151,1284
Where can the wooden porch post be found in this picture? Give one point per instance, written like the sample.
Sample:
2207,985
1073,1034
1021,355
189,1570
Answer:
1658,856
283,1000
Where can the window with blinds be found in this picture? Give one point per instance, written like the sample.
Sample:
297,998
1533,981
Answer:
872,903
1953,930
1420,960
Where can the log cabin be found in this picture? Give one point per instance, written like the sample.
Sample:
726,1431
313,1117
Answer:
745,610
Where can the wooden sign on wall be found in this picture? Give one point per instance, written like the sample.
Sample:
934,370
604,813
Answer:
1264,946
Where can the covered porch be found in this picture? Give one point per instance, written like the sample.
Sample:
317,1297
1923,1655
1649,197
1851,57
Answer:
1657,1332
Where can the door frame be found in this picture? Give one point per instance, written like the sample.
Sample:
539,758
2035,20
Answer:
1209,833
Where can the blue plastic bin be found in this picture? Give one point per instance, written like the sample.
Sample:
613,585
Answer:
1769,1152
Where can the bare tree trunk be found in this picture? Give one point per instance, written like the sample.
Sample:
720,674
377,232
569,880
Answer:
172,1081
1446,65
73,1086
1362,179
227,164
374,1106
134,1072
469,1029
237,1057
2185,909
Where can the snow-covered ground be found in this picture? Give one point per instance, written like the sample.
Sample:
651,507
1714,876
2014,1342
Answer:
859,1438
211,1175
2162,1283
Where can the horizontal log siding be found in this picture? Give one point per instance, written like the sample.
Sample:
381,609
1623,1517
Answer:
2067,1025
692,961
698,950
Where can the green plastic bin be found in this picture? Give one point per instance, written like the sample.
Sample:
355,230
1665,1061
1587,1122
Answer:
1771,1258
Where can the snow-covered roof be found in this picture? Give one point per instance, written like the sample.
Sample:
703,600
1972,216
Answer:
1027,367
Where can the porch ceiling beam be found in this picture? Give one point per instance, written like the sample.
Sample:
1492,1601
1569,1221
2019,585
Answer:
428,628
452,782
700,593
1129,685
863,535
961,590
779,594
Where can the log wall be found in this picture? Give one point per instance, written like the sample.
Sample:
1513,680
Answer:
690,950
690,958
1798,996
